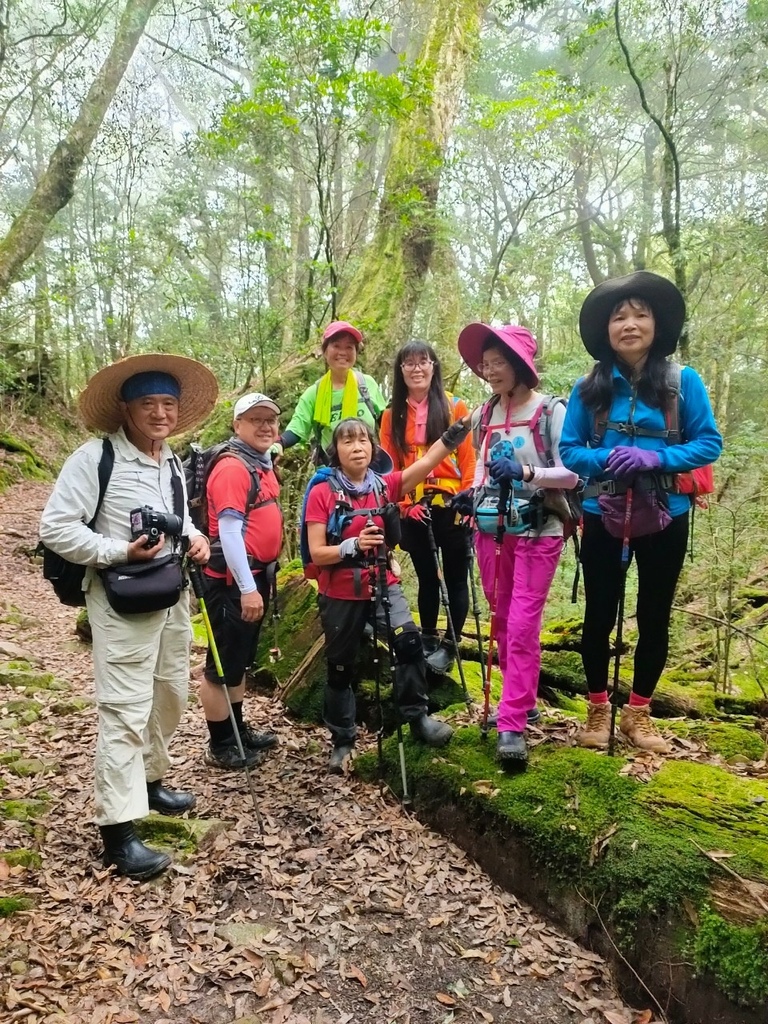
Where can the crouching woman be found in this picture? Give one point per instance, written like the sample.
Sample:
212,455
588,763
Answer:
346,533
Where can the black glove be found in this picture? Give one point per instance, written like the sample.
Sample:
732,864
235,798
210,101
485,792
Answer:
464,502
456,433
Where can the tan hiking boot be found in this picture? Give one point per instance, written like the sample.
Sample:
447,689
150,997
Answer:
597,729
637,726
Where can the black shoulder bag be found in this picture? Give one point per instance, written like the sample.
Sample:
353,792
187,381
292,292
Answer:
137,587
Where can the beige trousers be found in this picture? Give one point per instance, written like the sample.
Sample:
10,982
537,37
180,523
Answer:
141,673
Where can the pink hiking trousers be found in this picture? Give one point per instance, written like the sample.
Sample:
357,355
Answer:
526,570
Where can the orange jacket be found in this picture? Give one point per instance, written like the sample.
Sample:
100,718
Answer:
452,475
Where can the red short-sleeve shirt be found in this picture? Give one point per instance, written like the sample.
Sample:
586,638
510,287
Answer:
227,489
341,581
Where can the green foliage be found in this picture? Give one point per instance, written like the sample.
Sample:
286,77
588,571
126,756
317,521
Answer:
735,956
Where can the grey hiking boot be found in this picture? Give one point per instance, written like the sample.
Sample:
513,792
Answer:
510,747
429,643
227,756
338,756
253,740
430,731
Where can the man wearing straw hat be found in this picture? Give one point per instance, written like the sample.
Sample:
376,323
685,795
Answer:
140,660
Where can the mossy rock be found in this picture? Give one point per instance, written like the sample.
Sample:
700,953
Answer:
298,628
25,767
10,905
71,706
83,626
180,835
572,828
729,739
22,809
24,858
736,957
20,675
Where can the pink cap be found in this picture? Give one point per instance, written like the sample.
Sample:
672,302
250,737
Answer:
341,327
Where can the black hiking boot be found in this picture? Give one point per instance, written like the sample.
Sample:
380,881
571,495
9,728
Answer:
441,662
532,717
168,801
253,740
227,756
511,748
338,757
429,643
430,731
124,849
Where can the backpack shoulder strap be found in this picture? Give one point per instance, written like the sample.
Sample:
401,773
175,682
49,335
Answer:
365,394
541,426
176,487
106,465
481,421
672,411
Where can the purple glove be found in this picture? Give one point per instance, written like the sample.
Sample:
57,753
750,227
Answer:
624,463
419,513
505,470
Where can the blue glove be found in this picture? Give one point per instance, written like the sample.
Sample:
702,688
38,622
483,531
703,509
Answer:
624,463
505,470
464,502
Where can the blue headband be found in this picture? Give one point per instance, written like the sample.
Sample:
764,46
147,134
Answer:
151,382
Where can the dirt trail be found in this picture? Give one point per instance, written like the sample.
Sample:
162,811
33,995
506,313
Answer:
349,910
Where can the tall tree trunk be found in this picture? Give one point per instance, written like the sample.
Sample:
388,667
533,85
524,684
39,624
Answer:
55,187
384,292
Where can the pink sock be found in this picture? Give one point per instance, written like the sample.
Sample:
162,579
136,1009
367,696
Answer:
636,701
599,698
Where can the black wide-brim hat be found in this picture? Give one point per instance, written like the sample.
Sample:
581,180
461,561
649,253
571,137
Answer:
662,296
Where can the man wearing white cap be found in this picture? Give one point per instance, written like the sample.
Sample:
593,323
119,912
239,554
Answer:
140,660
245,525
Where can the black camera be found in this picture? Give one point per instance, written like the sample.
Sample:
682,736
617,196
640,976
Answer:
146,520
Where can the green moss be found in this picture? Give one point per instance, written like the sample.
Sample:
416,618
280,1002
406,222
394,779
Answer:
24,767
83,626
21,676
71,706
13,904
729,739
25,858
736,956
181,835
22,809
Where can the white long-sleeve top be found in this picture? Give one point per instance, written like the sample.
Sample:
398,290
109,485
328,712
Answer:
136,480
555,477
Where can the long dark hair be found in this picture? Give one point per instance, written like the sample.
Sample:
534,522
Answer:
439,414
350,427
596,390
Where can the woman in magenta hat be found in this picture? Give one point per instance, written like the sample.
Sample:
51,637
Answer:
342,392
519,480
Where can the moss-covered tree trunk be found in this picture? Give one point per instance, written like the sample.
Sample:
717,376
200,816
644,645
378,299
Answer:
384,293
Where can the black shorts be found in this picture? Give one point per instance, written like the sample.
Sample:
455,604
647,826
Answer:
236,640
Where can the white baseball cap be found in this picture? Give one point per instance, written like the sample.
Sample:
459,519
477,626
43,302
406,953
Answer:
242,405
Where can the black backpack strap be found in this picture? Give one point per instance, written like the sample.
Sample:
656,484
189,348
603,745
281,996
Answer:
176,487
106,465
365,394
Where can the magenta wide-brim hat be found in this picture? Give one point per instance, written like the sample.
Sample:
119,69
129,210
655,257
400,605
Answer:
520,342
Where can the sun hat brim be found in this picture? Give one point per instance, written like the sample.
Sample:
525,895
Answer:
659,292
100,399
475,335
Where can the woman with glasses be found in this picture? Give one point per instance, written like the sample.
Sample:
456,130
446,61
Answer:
510,469
420,412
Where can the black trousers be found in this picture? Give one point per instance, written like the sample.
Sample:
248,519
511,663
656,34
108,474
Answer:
660,558
451,540
236,640
344,624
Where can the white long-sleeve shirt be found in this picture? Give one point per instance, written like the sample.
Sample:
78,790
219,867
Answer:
136,480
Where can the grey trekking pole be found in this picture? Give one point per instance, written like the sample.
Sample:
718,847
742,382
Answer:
470,538
196,579
446,603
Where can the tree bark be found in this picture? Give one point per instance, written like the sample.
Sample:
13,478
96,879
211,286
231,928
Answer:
55,187
384,292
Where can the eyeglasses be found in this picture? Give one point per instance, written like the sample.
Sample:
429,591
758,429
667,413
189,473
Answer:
271,422
485,368
421,364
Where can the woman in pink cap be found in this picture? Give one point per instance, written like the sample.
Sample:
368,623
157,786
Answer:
517,487
343,392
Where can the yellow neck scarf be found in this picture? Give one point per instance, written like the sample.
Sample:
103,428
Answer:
324,398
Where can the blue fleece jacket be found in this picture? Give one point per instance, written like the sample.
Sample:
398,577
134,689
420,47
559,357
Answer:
700,445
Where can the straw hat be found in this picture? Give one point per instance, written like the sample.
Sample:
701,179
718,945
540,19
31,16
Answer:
100,401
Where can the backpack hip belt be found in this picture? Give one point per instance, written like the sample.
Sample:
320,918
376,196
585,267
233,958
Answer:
644,482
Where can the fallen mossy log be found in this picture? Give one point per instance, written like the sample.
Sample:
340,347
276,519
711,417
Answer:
623,865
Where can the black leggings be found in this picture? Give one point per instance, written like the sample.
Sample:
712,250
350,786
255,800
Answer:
660,558
451,540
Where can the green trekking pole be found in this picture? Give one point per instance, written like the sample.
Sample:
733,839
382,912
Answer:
196,579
